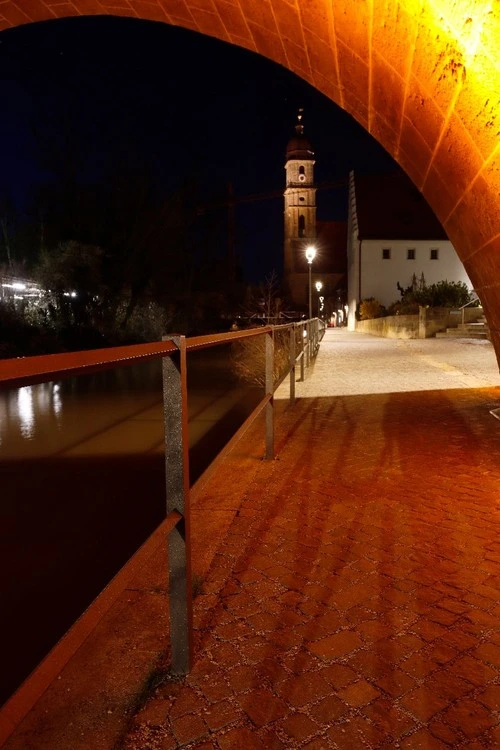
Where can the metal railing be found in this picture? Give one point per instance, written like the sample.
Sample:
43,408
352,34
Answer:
304,343
468,304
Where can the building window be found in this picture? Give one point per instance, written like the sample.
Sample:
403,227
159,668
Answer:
302,170
302,199
410,253
386,253
434,253
302,226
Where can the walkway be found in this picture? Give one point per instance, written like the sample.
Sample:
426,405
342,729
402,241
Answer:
349,590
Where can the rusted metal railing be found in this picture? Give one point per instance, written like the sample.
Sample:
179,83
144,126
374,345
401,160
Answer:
173,351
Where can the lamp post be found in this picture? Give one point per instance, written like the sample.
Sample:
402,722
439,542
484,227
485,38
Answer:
310,255
319,287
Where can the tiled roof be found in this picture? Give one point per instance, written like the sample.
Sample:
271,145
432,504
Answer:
332,235
390,207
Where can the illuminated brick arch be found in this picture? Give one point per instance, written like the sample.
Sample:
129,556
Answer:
422,76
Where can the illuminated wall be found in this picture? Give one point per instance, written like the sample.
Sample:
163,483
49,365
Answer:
422,76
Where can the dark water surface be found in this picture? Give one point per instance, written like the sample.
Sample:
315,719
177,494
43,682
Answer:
82,485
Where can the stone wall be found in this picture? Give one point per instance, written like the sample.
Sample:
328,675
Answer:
425,325
391,327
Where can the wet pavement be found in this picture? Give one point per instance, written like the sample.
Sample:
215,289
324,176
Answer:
348,591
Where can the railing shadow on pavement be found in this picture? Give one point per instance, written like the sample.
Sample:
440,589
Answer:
304,341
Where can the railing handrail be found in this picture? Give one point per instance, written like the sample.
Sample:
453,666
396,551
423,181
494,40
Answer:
44,367
36,369
470,302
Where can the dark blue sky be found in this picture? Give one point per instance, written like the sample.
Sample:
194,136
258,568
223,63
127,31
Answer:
109,90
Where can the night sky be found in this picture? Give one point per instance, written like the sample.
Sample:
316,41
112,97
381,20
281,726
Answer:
98,92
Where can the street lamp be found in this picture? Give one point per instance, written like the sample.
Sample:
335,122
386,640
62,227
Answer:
319,287
310,255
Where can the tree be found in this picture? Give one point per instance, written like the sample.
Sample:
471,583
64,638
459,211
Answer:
76,291
441,294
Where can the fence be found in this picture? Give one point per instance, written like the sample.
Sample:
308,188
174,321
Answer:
304,340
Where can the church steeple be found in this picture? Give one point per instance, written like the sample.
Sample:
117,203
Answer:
300,209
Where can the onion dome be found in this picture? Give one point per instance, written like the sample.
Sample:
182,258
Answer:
298,146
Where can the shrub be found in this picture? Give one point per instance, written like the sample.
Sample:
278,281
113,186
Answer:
248,357
441,294
370,308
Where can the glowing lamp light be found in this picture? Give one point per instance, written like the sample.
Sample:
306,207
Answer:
319,286
310,253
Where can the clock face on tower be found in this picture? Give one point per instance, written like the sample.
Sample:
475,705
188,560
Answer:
302,177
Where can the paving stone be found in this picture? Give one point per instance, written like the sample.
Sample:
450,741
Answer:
336,645
216,690
473,670
221,715
241,738
168,743
389,717
303,689
242,677
189,728
445,733
423,704
328,710
396,683
473,718
321,743
299,727
489,653
186,702
369,664
154,713
419,665
423,740
490,697
338,675
262,706
359,693
448,685
356,733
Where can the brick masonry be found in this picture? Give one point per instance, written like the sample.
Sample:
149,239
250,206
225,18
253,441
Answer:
424,84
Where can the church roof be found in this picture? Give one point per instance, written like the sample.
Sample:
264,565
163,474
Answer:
331,239
389,207
298,146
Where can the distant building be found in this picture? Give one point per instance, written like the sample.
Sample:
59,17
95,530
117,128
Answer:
15,289
303,229
393,235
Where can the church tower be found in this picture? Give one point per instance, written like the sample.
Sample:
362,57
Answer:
300,212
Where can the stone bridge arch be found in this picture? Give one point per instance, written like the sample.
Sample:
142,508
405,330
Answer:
421,76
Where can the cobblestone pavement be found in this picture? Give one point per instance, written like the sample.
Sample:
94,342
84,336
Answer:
355,600
351,363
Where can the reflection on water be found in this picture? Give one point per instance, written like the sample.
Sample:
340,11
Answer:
25,407
20,408
32,401
50,418
83,485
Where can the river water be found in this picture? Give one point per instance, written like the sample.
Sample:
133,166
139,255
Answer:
82,486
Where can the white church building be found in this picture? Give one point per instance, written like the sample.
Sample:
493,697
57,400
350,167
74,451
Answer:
392,236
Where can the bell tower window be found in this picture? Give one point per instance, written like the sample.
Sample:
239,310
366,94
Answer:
302,226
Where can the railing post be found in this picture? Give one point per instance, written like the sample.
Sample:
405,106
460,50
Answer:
177,489
302,363
270,392
308,343
292,363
